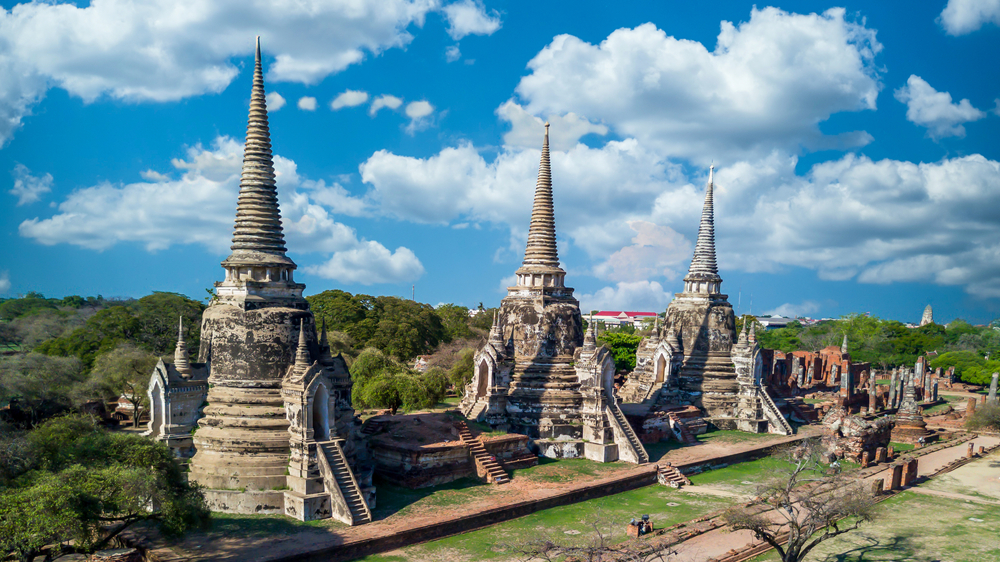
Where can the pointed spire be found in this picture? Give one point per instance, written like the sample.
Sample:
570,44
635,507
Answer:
181,360
589,338
743,333
495,336
302,352
258,236
752,333
843,346
324,345
703,265
673,341
541,250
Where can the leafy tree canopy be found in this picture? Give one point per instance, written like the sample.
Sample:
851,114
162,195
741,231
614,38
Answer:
623,347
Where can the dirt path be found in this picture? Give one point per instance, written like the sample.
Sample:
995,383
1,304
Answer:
954,495
714,544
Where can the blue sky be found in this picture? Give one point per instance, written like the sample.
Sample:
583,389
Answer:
853,167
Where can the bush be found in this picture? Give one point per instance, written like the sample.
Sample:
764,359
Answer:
987,416
462,371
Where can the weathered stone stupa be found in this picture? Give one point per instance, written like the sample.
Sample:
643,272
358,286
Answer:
910,426
928,316
538,375
278,405
703,320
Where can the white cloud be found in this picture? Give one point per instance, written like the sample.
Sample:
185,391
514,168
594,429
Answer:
768,84
419,113
452,53
643,296
526,130
469,17
161,50
370,262
28,188
385,100
960,17
655,251
198,209
4,282
349,98
153,175
790,310
307,103
930,108
274,101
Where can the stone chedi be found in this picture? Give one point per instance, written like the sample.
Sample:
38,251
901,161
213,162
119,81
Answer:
910,426
928,316
755,412
539,374
176,394
278,433
703,320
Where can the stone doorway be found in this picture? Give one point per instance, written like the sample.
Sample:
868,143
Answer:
321,414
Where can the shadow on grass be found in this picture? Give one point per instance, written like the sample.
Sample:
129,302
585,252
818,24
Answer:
264,525
656,451
900,547
393,498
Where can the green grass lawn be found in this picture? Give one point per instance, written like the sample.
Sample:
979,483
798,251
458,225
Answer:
570,523
728,436
814,400
917,528
897,447
952,398
936,409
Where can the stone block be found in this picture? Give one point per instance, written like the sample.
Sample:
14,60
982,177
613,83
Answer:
971,450
909,472
877,486
307,507
601,453
897,476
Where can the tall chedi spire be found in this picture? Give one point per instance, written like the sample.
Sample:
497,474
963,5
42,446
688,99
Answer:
258,239
182,361
703,276
541,258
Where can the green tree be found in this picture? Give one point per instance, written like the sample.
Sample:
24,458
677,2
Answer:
124,371
39,386
31,303
156,318
484,320
86,486
455,320
623,347
462,371
987,416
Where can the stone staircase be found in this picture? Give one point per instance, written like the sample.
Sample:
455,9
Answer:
680,430
669,476
476,410
773,414
371,427
340,481
618,418
484,462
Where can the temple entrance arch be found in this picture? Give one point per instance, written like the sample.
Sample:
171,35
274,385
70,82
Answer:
483,372
661,368
321,414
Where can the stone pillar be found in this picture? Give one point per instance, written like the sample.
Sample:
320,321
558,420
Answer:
982,450
890,453
970,408
845,385
909,472
897,476
982,399
881,455
969,454
934,391
872,395
892,390
877,485
865,459
993,387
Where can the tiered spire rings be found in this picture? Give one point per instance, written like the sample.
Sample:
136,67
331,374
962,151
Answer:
703,276
541,258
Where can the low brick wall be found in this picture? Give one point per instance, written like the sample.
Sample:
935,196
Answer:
416,535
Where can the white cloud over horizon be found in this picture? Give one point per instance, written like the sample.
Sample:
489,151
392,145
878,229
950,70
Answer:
198,208
935,110
349,98
159,50
4,282
961,17
790,310
767,85
637,295
307,103
385,100
274,101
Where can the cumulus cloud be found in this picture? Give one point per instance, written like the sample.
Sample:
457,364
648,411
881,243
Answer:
960,17
385,100
469,17
4,282
162,50
28,188
452,53
274,101
768,84
198,209
307,103
349,98
526,130
370,262
655,251
934,110
419,113
790,310
639,295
